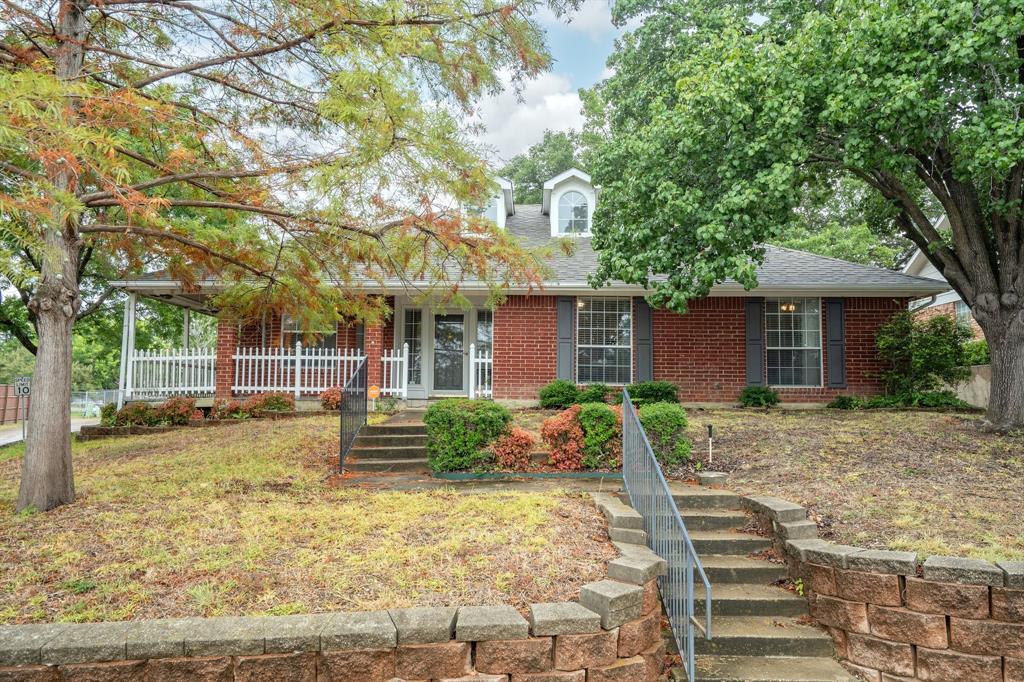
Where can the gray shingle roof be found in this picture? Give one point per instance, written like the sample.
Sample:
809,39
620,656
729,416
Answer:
783,269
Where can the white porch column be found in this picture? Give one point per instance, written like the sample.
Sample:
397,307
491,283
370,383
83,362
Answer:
472,371
124,381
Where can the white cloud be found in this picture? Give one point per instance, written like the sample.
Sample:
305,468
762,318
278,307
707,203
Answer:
593,18
511,126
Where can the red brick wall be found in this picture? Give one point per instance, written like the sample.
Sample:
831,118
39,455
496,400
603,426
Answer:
949,310
525,346
703,351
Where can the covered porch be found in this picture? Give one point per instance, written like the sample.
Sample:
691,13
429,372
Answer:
419,353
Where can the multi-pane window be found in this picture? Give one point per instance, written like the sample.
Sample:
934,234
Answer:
292,332
963,313
412,332
484,330
603,340
793,334
573,214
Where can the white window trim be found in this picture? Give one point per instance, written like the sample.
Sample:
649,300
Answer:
577,345
821,346
586,200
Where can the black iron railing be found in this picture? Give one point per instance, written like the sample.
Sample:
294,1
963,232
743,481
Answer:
353,411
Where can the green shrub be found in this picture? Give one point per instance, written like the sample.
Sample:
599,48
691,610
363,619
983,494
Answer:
602,435
759,396
459,431
270,402
176,411
665,424
846,402
976,353
137,414
938,399
559,394
592,393
108,414
926,399
647,392
922,355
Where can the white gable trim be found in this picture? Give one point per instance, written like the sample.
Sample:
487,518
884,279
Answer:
550,185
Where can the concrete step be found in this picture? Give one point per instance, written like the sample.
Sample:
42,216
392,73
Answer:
763,636
418,465
401,440
393,430
731,569
766,669
727,542
750,600
712,519
410,452
694,497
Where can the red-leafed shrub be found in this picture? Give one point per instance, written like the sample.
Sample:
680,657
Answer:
197,416
512,450
563,434
228,409
270,402
177,410
137,414
331,398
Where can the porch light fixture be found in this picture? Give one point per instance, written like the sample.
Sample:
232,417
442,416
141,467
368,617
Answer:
788,307
580,302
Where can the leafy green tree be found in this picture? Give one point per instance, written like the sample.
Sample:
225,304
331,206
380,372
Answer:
720,115
287,146
923,355
556,153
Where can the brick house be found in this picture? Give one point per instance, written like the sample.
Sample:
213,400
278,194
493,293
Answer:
947,303
808,330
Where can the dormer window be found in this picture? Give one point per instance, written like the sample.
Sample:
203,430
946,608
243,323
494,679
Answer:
573,214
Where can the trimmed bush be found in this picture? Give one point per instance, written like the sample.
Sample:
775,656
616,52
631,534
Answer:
228,409
759,396
927,399
602,435
137,414
564,436
922,355
559,394
647,392
331,398
665,424
270,402
197,415
976,353
459,431
592,393
108,414
512,450
177,411
846,402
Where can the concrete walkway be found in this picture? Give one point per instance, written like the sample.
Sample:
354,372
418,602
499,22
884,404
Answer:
13,434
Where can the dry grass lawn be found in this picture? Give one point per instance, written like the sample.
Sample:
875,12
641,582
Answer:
921,481
247,519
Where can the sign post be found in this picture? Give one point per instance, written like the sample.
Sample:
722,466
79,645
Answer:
373,393
23,389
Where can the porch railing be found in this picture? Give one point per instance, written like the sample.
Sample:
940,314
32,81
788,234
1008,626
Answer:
481,372
395,375
176,371
295,370
352,411
650,495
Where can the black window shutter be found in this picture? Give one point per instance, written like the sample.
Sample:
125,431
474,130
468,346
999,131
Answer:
644,340
755,340
566,308
835,333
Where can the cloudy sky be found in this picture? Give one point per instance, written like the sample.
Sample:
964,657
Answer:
580,44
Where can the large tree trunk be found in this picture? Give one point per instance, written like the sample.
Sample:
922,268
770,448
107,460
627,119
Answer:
47,480
1006,401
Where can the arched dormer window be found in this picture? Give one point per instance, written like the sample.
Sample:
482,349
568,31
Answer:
573,214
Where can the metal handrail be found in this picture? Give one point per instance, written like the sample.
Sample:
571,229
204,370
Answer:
352,411
650,495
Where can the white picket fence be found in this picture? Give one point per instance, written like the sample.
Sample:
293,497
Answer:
395,375
294,370
481,372
176,371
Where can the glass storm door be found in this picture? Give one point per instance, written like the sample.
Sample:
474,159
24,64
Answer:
449,333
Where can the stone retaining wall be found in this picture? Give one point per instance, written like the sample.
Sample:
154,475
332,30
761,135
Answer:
90,432
893,618
611,634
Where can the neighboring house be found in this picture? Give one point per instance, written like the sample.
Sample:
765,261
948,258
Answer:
946,303
808,330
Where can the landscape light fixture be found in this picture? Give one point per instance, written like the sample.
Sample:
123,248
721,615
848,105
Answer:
711,440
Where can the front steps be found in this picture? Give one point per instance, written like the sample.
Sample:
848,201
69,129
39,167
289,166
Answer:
759,629
390,448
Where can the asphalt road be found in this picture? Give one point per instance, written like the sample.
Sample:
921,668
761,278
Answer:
12,433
